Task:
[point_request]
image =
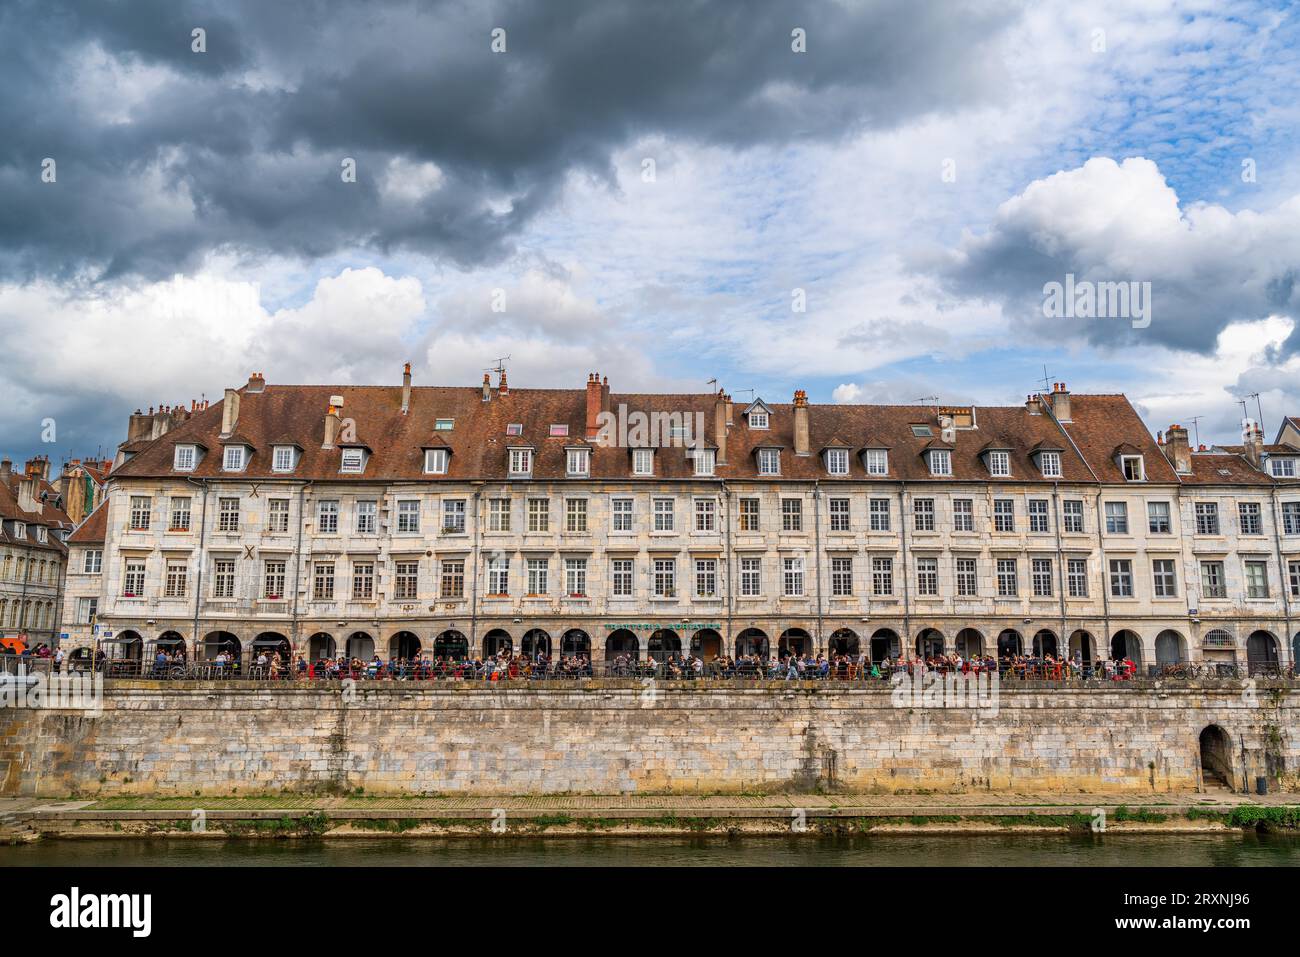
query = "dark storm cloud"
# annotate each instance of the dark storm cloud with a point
(238, 149)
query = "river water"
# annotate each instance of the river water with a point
(884, 850)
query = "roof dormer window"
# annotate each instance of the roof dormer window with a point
(643, 461)
(235, 458)
(769, 461)
(1281, 466)
(758, 414)
(521, 461)
(577, 462)
(435, 461)
(940, 462)
(353, 461)
(40, 534)
(284, 458)
(999, 463)
(20, 529)
(876, 461)
(704, 461)
(1132, 467)
(1049, 463)
(837, 461)
(185, 458)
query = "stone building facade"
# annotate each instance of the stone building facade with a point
(33, 527)
(452, 521)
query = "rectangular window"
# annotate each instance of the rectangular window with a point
(521, 461)
(141, 506)
(879, 513)
(1291, 518)
(1251, 521)
(367, 512)
(1049, 464)
(322, 581)
(1132, 465)
(704, 460)
(769, 462)
(621, 577)
(1040, 573)
(180, 514)
(792, 577)
(1121, 578)
(1038, 520)
(327, 516)
(967, 583)
(791, 515)
(840, 519)
(498, 515)
(223, 578)
(999, 463)
(1293, 574)
(842, 577)
(927, 576)
(751, 576)
(963, 515)
(1213, 584)
(1072, 515)
(1117, 518)
(749, 515)
(1256, 580)
(882, 576)
(1158, 519)
(940, 462)
(185, 457)
(1163, 578)
(1076, 577)
(453, 516)
(539, 515)
(539, 572)
(435, 461)
(133, 579)
(177, 579)
(643, 462)
(1008, 585)
(575, 577)
(706, 577)
(1004, 515)
(575, 514)
(94, 561)
(277, 515)
(705, 515)
(234, 459)
(406, 578)
(877, 462)
(282, 458)
(498, 575)
(621, 509)
(363, 581)
(837, 461)
(577, 461)
(452, 581)
(1282, 467)
(757, 420)
(87, 609)
(408, 515)
(227, 514)
(1207, 518)
(354, 461)
(273, 579)
(923, 514)
(663, 514)
(665, 578)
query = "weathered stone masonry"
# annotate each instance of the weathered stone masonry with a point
(611, 737)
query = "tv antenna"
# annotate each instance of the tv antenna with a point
(1194, 420)
(1047, 382)
(1258, 406)
(929, 400)
(500, 365)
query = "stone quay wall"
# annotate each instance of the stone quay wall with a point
(610, 737)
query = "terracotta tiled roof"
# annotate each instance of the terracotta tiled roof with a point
(1101, 423)
(1222, 467)
(92, 528)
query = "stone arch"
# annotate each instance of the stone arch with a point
(534, 643)
(1045, 643)
(664, 643)
(170, 641)
(622, 641)
(360, 645)
(1216, 757)
(794, 641)
(575, 642)
(1261, 652)
(929, 643)
(1086, 645)
(320, 645)
(404, 644)
(706, 644)
(126, 645)
(215, 642)
(271, 642)
(1127, 643)
(885, 643)
(451, 644)
(1171, 649)
(752, 641)
(844, 641)
(1295, 651)
(497, 641)
(1010, 643)
(970, 643)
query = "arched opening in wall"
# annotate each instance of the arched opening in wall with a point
(124, 646)
(929, 643)
(575, 642)
(621, 641)
(970, 643)
(1170, 649)
(1261, 653)
(360, 645)
(1045, 643)
(451, 645)
(497, 642)
(1216, 757)
(320, 645)
(216, 642)
(1295, 651)
(752, 641)
(706, 644)
(172, 642)
(794, 641)
(885, 643)
(1127, 644)
(270, 642)
(1083, 643)
(844, 641)
(664, 643)
(535, 643)
(1010, 643)
(404, 644)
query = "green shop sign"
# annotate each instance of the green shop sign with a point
(679, 626)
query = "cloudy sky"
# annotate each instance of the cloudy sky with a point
(668, 193)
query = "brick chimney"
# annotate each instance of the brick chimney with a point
(1032, 405)
(801, 438)
(332, 422)
(138, 426)
(597, 402)
(27, 495)
(720, 405)
(1177, 451)
(406, 389)
(6, 470)
(256, 383)
(1061, 402)
(487, 387)
(1252, 437)
(38, 466)
(229, 413)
